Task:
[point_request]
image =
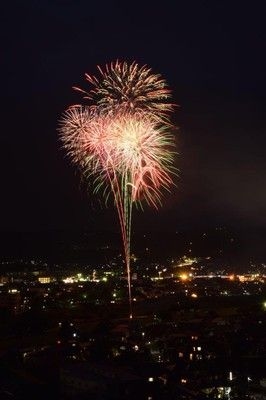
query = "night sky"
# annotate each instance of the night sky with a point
(210, 53)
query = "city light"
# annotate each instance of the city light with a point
(184, 277)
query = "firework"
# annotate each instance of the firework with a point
(131, 87)
(124, 148)
(144, 152)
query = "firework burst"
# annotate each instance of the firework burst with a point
(131, 87)
(112, 146)
(144, 152)
(122, 141)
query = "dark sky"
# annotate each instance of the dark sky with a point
(210, 53)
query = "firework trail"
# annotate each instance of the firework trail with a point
(123, 146)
